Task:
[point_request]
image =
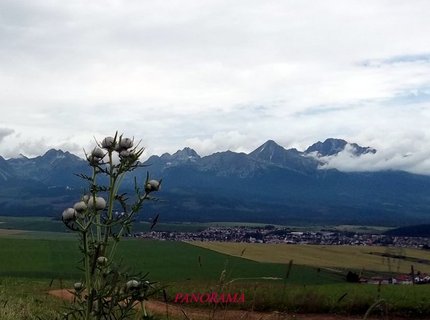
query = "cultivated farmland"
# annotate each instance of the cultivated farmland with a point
(342, 257)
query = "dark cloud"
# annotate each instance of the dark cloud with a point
(4, 132)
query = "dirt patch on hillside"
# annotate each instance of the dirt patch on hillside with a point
(180, 312)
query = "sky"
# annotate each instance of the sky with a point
(218, 75)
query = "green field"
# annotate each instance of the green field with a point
(164, 260)
(343, 257)
(33, 262)
(30, 267)
(47, 224)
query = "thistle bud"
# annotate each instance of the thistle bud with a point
(125, 143)
(69, 214)
(86, 197)
(93, 160)
(80, 206)
(152, 185)
(78, 286)
(108, 143)
(100, 203)
(97, 153)
(102, 261)
(124, 154)
(132, 284)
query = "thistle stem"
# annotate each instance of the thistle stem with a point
(94, 201)
(112, 193)
(88, 281)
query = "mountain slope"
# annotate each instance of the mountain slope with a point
(271, 184)
(6, 172)
(54, 168)
(333, 146)
(272, 153)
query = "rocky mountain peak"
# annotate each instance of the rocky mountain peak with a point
(186, 154)
(268, 151)
(333, 146)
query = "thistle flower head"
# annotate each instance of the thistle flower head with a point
(108, 143)
(124, 154)
(152, 185)
(98, 204)
(93, 160)
(125, 143)
(85, 198)
(97, 153)
(69, 214)
(78, 286)
(132, 284)
(102, 261)
(80, 206)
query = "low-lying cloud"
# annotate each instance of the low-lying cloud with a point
(414, 161)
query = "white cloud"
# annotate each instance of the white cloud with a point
(232, 140)
(415, 161)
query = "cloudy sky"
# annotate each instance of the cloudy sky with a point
(218, 75)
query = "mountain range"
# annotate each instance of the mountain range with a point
(270, 184)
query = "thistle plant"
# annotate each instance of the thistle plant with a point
(101, 218)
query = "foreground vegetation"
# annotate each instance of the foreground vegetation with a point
(28, 299)
(339, 298)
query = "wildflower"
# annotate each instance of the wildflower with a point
(125, 143)
(102, 261)
(86, 197)
(94, 161)
(78, 286)
(80, 206)
(152, 185)
(125, 154)
(99, 204)
(132, 284)
(108, 143)
(97, 153)
(69, 214)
